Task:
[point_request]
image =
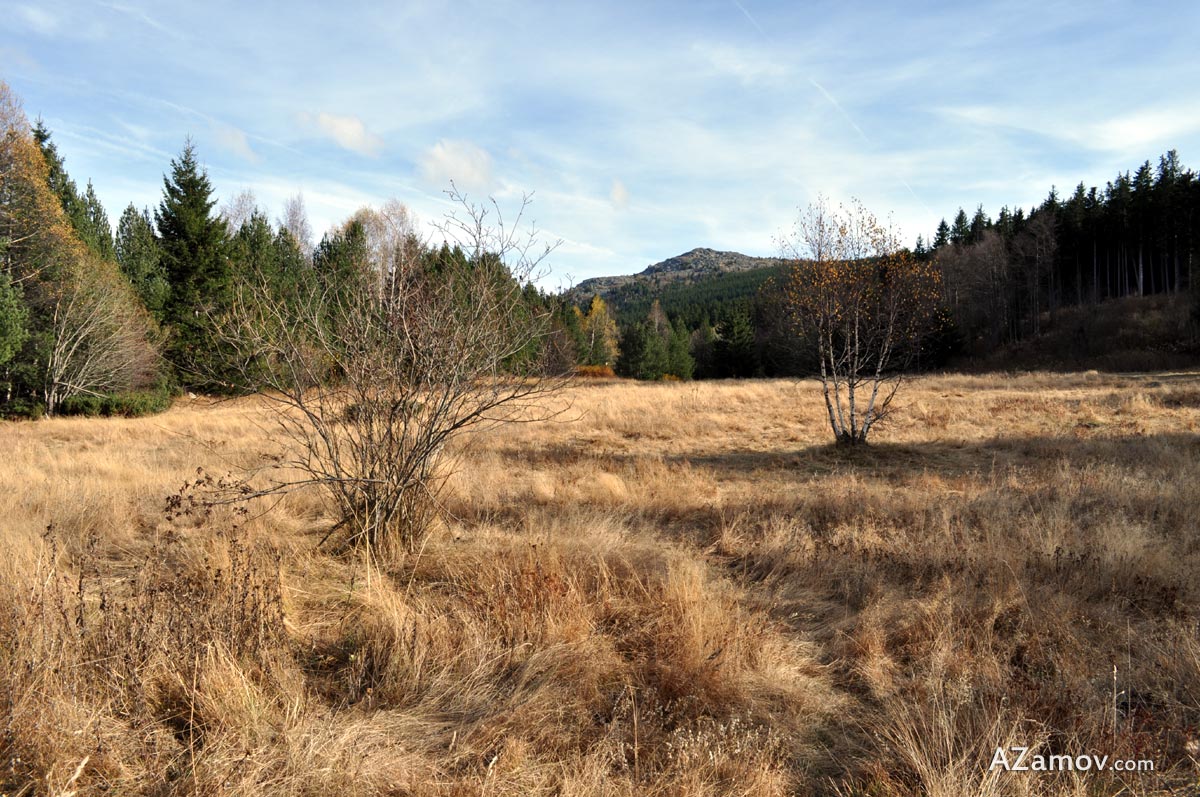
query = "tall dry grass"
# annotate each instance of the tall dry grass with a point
(672, 589)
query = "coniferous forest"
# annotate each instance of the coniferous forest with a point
(101, 321)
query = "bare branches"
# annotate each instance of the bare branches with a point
(864, 303)
(373, 374)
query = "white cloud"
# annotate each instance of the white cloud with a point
(460, 162)
(39, 19)
(348, 132)
(1126, 133)
(235, 141)
(1142, 129)
(619, 195)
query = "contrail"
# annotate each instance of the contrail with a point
(839, 107)
(833, 101)
(753, 21)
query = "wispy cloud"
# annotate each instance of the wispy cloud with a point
(235, 141)
(39, 20)
(712, 121)
(141, 16)
(460, 162)
(348, 132)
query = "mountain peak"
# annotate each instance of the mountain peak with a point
(692, 266)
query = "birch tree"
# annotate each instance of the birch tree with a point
(863, 303)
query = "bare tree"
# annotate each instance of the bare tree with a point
(98, 341)
(238, 210)
(295, 221)
(864, 303)
(370, 380)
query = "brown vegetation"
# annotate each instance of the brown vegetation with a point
(672, 589)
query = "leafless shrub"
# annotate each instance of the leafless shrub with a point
(371, 376)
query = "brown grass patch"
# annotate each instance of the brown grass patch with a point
(681, 590)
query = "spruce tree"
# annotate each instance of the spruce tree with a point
(960, 233)
(138, 255)
(679, 357)
(84, 211)
(704, 350)
(194, 244)
(97, 232)
(942, 237)
(13, 317)
(735, 351)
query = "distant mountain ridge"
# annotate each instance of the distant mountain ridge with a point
(700, 283)
(689, 267)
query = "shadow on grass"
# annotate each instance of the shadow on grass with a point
(1147, 453)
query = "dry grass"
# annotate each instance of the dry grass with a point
(674, 589)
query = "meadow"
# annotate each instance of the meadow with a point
(669, 589)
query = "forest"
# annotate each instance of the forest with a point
(97, 321)
(1003, 278)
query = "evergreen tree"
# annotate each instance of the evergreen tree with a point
(97, 232)
(194, 243)
(341, 259)
(138, 254)
(84, 211)
(736, 354)
(57, 178)
(942, 237)
(920, 251)
(252, 250)
(960, 233)
(980, 223)
(679, 358)
(13, 317)
(704, 350)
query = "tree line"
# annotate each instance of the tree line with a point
(94, 321)
(1001, 278)
(1135, 237)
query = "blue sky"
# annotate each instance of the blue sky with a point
(642, 129)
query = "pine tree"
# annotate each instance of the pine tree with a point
(138, 254)
(194, 243)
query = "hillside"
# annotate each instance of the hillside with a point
(1135, 333)
(702, 278)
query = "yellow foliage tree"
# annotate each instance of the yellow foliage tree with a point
(91, 334)
(864, 303)
(599, 334)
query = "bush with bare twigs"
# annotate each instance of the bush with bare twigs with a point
(373, 371)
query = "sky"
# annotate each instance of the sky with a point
(642, 130)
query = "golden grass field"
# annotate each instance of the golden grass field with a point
(671, 589)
